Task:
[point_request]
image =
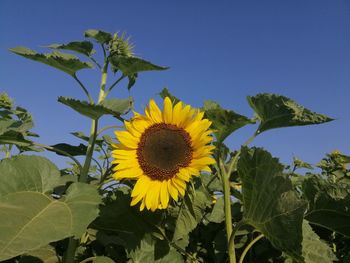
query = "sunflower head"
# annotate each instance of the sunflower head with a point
(162, 150)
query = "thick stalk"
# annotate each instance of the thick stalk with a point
(94, 127)
(69, 254)
(228, 216)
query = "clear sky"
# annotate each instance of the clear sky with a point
(219, 50)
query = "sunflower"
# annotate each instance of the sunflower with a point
(162, 150)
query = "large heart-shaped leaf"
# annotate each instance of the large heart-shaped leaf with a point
(30, 218)
(224, 122)
(275, 111)
(328, 204)
(65, 62)
(113, 107)
(270, 204)
(82, 47)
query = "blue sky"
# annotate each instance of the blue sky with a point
(219, 50)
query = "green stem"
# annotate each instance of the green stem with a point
(116, 82)
(69, 254)
(231, 243)
(8, 152)
(84, 89)
(246, 249)
(227, 208)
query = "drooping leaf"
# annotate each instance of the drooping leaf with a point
(70, 149)
(314, 249)
(131, 65)
(166, 93)
(87, 109)
(150, 251)
(65, 62)
(270, 204)
(224, 122)
(30, 219)
(191, 212)
(100, 36)
(276, 111)
(328, 204)
(82, 47)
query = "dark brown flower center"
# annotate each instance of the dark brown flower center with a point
(163, 149)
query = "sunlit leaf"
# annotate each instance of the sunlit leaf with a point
(30, 219)
(65, 62)
(314, 249)
(329, 204)
(95, 111)
(275, 111)
(270, 204)
(82, 47)
(224, 122)
(191, 212)
(100, 36)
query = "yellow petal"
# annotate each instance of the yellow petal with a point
(154, 113)
(132, 173)
(179, 185)
(172, 190)
(127, 139)
(183, 175)
(168, 110)
(152, 196)
(141, 187)
(164, 194)
(177, 113)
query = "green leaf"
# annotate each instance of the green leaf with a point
(150, 251)
(217, 214)
(65, 62)
(100, 36)
(45, 254)
(71, 149)
(30, 219)
(191, 212)
(270, 204)
(328, 204)
(92, 111)
(27, 173)
(119, 106)
(314, 249)
(16, 138)
(131, 65)
(275, 111)
(166, 93)
(118, 216)
(301, 164)
(82, 47)
(224, 122)
(102, 260)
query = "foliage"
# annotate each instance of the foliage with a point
(250, 207)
